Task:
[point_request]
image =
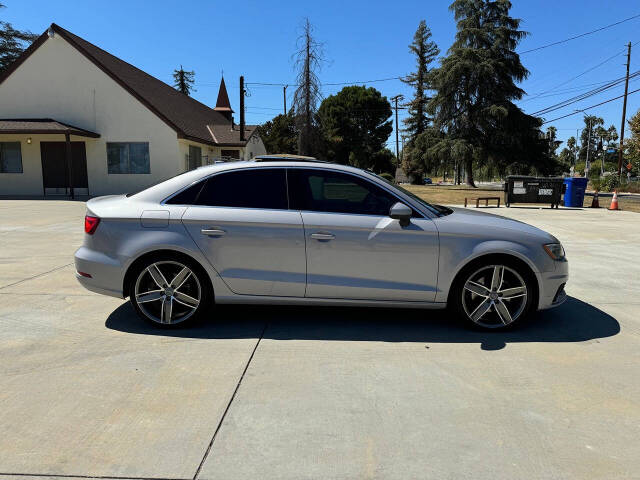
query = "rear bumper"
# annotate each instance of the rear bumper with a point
(107, 273)
(552, 285)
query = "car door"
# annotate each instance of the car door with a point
(354, 249)
(241, 222)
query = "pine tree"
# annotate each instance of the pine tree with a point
(308, 61)
(12, 42)
(476, 86)
(184, 80)
(425, 52)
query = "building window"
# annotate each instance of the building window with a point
(230, 154)
(195, 157)
(131, 157)
(10, 157)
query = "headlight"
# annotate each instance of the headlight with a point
(555, 251)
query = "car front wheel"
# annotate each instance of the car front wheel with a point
(168, 291)
(494, 295)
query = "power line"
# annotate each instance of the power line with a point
(568, 90)
(366, 81)
(579, 75)
(272, 84)
(579, 36)
(583, 96)
(589, 107)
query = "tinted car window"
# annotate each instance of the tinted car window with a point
(325, 191)
(254, 188)
(187, 196)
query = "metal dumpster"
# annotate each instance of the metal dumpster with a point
(574, 191)
(522, 189)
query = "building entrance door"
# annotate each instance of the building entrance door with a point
(55, 170)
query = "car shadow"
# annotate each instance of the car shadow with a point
(574, 321)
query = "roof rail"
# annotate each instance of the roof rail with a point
(286, 157)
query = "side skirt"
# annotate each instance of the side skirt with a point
(267, 300)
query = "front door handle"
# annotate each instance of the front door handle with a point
(323, 236)
(213, 232)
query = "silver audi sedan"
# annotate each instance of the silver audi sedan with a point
(311, 233)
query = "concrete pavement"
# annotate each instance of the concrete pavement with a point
(87, 389)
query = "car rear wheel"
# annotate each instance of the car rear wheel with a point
(494, 296)
(169, 292)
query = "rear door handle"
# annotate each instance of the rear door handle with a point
(323, 236)
(213, 232)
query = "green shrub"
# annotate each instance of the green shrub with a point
(596, 184)
(387, 176)
(594, 172)
(610, 182)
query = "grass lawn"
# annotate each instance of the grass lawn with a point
(455, 195)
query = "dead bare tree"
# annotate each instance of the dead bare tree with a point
(308, 61)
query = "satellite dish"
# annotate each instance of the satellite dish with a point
(51, 33)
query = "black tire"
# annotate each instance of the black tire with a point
(186, 299)
(468, 304)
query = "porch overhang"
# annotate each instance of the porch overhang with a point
(34, 126)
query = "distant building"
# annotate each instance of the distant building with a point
(123, 129)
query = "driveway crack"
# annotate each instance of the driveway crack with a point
(233, 396)
(36, 276)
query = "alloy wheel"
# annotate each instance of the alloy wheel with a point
(168, 292)
(494, 296)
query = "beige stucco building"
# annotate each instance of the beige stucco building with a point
(72, 114)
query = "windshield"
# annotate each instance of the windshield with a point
(437, 209)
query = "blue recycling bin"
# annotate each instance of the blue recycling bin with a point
(574, 193)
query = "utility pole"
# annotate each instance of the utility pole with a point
(575, 157)
(586, 164)
(242, 93)
(284, 93)
(395, 99)
(624, 112)
(601, 149)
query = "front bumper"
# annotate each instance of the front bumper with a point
(107, 273)
(552, 285)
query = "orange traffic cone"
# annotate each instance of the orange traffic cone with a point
(614, 201)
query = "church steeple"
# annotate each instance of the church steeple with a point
(222, 104)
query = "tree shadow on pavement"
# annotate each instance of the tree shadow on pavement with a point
(574, 321)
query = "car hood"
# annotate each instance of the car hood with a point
(474, 220)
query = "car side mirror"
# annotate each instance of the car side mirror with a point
(402, 212)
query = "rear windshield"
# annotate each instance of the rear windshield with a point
(135, 192)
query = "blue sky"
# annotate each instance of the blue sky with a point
(363, 40)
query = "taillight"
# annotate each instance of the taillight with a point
(90, 224)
